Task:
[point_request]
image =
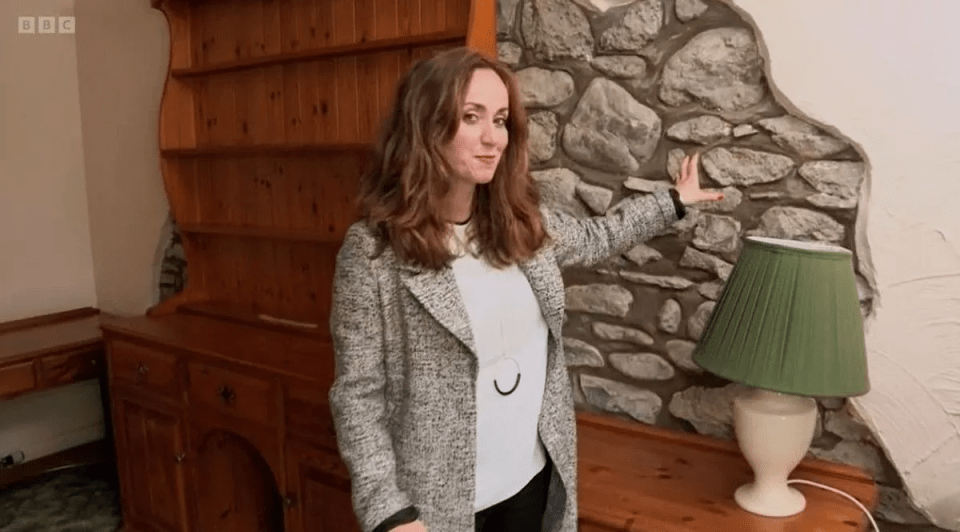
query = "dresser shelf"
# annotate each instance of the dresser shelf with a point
(441, 38)
(255, 150)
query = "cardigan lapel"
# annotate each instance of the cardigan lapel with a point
(547, 284)
(438, 292)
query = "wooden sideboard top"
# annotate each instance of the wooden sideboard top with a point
(264, 348)
(636, 477)
(30, 338)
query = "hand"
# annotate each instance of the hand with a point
(688, 182)
(415, 526)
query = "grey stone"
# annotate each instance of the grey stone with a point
(602, 6)
(711, 290)
(895, 506)
(767, 195)
(688, 10)
(719, 69)
(608, 299)
(732, 197)
(638, 27)
(717, 233)
(620, 66)
(558, 190)
(645, 185)
(701, 130)
(642, 366)
(580, 353)
(663, 281)
(744, 130)
(506, 16)
(694, 258)
(847, 424)
(806, 139)
(543, 136)
(796, 223)
(674, 163)
(617, 397)
(833, 403)
(556, 29)
(745, 167)
(698, 321)
(709, 410)
(578, 397)
(862, 455)
(540, 87)
(681, 353)
(610, 130)
(829, 201)
(687, 224)
(670, 316)
(838, 182)
(617, 333)
(596, 197)
(642, 254)
(510, 53)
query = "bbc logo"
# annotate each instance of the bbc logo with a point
(45, 25)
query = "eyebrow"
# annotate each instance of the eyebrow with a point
(502, 110)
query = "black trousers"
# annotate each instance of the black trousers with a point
(521, 513)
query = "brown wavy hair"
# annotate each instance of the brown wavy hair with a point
(402, 191)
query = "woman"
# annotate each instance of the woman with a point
(452, 404)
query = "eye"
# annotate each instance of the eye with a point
(501, 121)
(471, 118)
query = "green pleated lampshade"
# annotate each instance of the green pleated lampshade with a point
(789, 320)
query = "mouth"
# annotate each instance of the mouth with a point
(489, 159)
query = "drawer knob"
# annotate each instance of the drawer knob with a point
(289, 501)
(226, 394)
(179, 457)
(142, 370)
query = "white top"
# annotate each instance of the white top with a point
(507, 326)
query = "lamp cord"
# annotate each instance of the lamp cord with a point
(839, 492)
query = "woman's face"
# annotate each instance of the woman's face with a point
(475, 151)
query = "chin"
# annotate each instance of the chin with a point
(483, 179)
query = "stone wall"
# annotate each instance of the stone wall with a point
(617, 92)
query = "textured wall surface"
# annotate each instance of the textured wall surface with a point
(618, 92)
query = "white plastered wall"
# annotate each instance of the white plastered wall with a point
(884, 74)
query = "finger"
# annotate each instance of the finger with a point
(684, 170)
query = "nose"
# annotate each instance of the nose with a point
(487, 135)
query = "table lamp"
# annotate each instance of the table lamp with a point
(787, 325)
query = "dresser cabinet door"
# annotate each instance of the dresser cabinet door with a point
(151, 451)
(318, 498)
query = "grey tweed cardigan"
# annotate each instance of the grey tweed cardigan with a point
(403, 401)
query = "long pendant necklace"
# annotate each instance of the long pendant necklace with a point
(504, 358)
(461, 246)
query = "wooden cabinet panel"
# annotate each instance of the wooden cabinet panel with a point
(318, 492)
(151, 452)
(16, 378)
(307, 412)
(144, 367)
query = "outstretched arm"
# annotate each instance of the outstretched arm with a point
(588, 241)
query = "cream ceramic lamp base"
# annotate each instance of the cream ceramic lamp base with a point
(774, 431)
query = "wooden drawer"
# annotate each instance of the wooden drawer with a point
(146, 367)
(308, 415)
(233, 393)
(17, 378)
(73, 366)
